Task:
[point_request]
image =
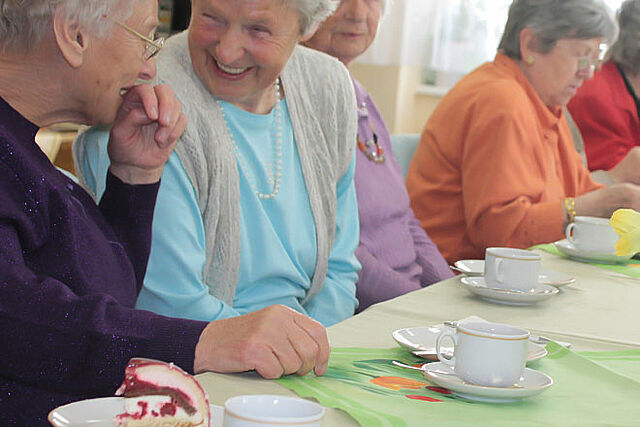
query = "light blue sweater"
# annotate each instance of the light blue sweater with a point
(278, 236)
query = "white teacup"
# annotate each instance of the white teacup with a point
(510, 268)
(592, 234)
(260, 410)
(487, 354)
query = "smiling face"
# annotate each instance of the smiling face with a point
(115, 63)
(349, 31)
(239, 47)
(556, 75)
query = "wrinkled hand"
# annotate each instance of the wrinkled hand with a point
(628, 170)
(149, 122)
(603, 202)
(274, 341)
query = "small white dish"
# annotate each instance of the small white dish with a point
(470, 267)
(262, 410)
(478, 286)
(531, 383)
(102, 411)
(422, 341)
(573, 252)
(475, 268)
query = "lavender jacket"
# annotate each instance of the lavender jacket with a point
(396, 254)
(70, 272)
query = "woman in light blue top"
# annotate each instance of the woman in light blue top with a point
(257, 206)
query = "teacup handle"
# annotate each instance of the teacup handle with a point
(497, 269)
(569, 232)
(441, 357)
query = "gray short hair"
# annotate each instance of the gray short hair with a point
(312, 12)
(552, 20)
(24, 23)
(626, 50)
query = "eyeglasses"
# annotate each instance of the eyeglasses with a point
(151, 47)
(589, 63)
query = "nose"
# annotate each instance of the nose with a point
(229, 47)
(148, 70)
(356, 10)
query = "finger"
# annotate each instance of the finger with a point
(268, 365)
(305, 347)
(134, 119)
(168, 106)
(319, 334)
(178, 129)
(145, 95)
(287, 355)
(167, 135)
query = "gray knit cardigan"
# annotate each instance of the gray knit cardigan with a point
(322, 104)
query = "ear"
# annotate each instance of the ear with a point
(71, 38)
(310, 33)
(528, 44)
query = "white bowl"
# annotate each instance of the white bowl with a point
(269, 410)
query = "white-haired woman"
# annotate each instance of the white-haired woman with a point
(70, 270)
(496, 164)
(606, 108)
(396, 254)
(258, 205)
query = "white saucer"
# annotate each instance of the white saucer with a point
(478, 286)
(475, 268)
(470, 267)
(422, 341)
(573, 252)
(101, 412)
(531, 383)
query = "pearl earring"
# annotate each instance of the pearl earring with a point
(530, 60)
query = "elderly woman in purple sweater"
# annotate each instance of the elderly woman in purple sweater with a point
(396, 254)
(70, 270)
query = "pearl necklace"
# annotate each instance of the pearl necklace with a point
(272, 176)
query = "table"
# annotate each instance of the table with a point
(597, 313)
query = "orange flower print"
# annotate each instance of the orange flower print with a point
(398, 383)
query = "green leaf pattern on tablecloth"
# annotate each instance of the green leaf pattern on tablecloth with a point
(589, 389)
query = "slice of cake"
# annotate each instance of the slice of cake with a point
(161, 394)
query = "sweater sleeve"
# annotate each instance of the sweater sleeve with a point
(53, 338)
(606, 127)
(378, 276)
(434, 267)
(129, 211)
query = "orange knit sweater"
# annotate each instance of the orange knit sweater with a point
(493, 165)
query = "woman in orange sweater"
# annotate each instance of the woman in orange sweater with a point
(496, 164)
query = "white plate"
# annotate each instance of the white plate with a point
(478, 286)
(470, 267)
(573, 252)
(102, 411)
(531, 383)
(475, 268)
(423, 339)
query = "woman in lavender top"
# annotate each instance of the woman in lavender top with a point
(396, 254)
(70, 270)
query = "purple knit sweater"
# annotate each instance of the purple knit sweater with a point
(70, 272)
(396, 254)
